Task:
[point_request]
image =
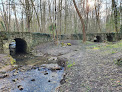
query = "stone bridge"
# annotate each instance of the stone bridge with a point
(99, 37)
(25, 41)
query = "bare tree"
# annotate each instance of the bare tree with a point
(66, 14)
(16, 20)
(82, 21)
(87, 13)
(97, 11)
(114, 8)
(36, 14)
(60, 8)
(56, 42)
(120, 13)
(9, 24)
(5, 17)
(28, 12)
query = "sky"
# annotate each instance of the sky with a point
(91, 3)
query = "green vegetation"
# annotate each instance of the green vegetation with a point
(113, 52)
(106, 45)
(121, 29)
(69, 65)
(119, 44)
(52, 27)
(86, 86)
(109, 48)
(63, 44)
(95, 48)
(2, 25)
(12, 61)
(118, 62)
(69, 44)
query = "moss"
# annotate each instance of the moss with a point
(118, 62)
(95, 48)
(12, 61)
(63, 44)
(68, 44)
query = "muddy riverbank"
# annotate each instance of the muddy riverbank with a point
(40, 73)
(89, 67)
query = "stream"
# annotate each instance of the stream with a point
(32, 74)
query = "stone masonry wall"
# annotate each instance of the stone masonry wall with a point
(33, 39)
(6, 39)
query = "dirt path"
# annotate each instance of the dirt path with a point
(90, 68)
(94, 70)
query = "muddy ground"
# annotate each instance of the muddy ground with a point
(89, 67)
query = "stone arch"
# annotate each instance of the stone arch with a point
(21, 46)
(98, 39)
(109, 38)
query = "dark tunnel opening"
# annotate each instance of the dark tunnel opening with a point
(98, 39)
(21, 46)
(109, 38)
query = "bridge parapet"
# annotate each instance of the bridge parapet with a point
(39, 38)
(101, 36)
(33, 39)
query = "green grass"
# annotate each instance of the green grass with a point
(113, 52)
(69, 65)
(116, 45)
(106, 45)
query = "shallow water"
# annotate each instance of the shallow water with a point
(32, 79)
(41, 83)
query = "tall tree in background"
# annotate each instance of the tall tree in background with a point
(39, 15)
(32, 2)
(15, 14)
(82, 21)
(65, 18)
(121, 13)
(44, 16)
(9, 26)
(87, 13)
(114, 8)
(56, 24)
(5, 17)
(97, 11)
(60, 10)
(120, 16)
(28, 14)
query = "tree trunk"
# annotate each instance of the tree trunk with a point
(87, 13)
(56, 26)
(9, 18)
(28, 18)
(114, 8)
(82, 21)
(65, 28)
(36, 15)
